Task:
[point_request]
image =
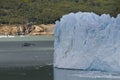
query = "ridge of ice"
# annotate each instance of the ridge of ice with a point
(87, 41)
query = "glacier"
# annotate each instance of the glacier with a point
(85, 40)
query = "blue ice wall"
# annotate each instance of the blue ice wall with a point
(88, 41)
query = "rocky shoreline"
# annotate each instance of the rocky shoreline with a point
(27, 29)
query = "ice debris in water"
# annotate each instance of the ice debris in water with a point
(87, 41)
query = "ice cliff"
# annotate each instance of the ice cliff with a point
(87, 41)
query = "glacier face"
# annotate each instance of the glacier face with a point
(87, 41)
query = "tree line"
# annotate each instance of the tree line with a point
(48, 11)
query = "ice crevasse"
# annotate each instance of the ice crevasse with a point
(85, 40)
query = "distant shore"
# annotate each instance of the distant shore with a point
(27, 29)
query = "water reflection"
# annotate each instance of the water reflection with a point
(27, 73)
(62, 74)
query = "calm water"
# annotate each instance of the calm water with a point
(27, 73)
(31, 58)
(26, 51)
(26, 58)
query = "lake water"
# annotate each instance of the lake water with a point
(31, 58)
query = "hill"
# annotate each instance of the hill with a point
(48, 11)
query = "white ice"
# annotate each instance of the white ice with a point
(87, 41)
(6, 36)
(63, 74)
